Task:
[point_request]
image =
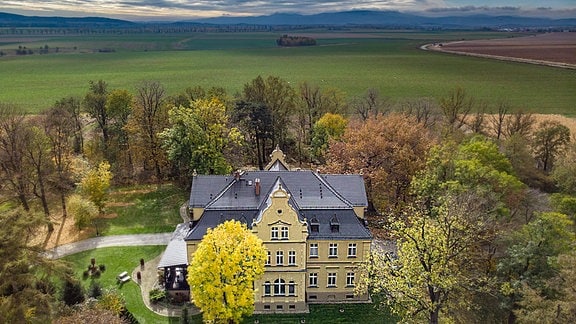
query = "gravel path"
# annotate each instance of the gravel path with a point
(108, 241)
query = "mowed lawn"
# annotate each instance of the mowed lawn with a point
(391, 63)
(120, 259)
(142, 209)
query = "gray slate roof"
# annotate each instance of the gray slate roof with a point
(226, 197)
(176, 252)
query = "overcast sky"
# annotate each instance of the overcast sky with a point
(188, 9)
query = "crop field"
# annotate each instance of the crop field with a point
(350, 61)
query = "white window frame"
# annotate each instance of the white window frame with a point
(350, 278)
(352, 249)
(332, 277)
(268, 258)
(313, 250)
(274, 233)
(292, 258)
(284, 233)
(279, 258)
(333, 250)
(313, 279)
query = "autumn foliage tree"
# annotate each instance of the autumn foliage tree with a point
(228, 260)
(95, 184)
(388, 150)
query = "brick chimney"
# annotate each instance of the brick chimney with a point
(257, 186)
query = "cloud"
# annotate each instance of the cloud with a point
(178, 9)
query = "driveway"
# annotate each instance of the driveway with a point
(108, 241)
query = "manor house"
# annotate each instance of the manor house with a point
(312, 226)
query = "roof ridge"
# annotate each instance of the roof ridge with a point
(333, 190)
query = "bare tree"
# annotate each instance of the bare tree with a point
(519, 123)
(424, 110)
(370, 105)
(95, 104)
(456, 107)
(498, 120)
(13, 138)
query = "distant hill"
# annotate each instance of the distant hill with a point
(12, 20)
(392, 19)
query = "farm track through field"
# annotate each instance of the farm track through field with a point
(438, 48)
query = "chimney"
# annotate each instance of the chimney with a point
(257, 186)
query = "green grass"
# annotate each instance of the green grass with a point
(387, 61)
(118, 260)
(143, 209)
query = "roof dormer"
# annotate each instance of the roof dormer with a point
(277, 162)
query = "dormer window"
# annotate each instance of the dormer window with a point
(334, 224)
(314, 224)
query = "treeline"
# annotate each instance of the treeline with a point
(481, 197)
(286, 40)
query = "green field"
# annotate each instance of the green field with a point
(352, 62)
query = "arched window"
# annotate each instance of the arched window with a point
(291, 288)
(279, 287)
(267, 288)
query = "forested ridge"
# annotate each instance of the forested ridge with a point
(479, 199)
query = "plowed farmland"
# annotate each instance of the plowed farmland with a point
(550, 47)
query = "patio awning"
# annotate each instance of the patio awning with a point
(174, 255)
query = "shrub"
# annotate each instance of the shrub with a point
(157, 295)
(72, 293)
(102, 267)
(95, 290)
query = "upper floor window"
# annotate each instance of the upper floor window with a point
(291, 257)
(314, 224)
(274, 233)
(332, 279)
(313, 279)
(350, 279)
(351, 249)
(333, 250)
(334, 224)
(267, 258)
(313, 250)
(279, 257)
(284, 232)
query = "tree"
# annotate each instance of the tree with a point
(369, 105)
(564, 170)
(119, 106)
(26, 294)
(222, 272)
(199, 137)
(14, 137)
(73, 109)
(328, 127)
(149, 118)
(537, 306)
(278, 96)
(83, 210)
(94, 185)
(38, 156)
(95, 105)
(388, 151)
(531, 257)
(60, 127)
(497, 120)
(549, 141)
(456, 107)
(255, 122)
(433, 274)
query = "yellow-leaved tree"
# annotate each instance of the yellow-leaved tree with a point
(94, 185)
(222, 272)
